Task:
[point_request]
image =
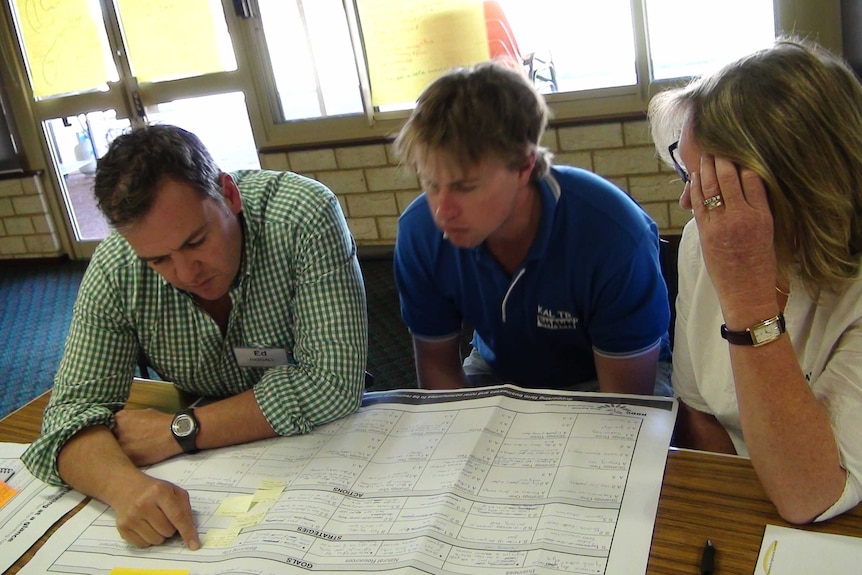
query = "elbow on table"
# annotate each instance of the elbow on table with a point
(797, 515)
(803, 508)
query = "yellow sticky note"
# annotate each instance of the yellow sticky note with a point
(135, 571)
(266, 495)
(233, 506)
(220, 537)
(6, 493)
(271, 483)
(248, 519)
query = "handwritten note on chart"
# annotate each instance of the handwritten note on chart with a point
(410, 44)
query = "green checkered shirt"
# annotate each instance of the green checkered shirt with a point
(299, 288)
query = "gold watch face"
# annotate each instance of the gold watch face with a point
(182, 425)
(766, 332)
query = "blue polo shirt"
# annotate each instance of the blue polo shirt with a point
(590, 282)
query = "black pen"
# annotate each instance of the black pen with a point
(707, 559)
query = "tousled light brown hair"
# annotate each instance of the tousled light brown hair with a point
(791, 113)
(487, 110)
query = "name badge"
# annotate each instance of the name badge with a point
(260, 356)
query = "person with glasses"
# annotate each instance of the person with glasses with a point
(555, 269)
(768, 336)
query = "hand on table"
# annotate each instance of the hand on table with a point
(150, 510)
(737, 236)
(145, 435)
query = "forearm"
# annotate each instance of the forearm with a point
(145, 434)
(429, 377)
(93, 463)
(787, 431)
(232, 421)
(438, 364)
(148, 510)
(627, 375)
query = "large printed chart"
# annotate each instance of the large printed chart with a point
(29, 507)
(493, 481)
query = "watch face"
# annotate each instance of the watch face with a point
(766, 332)
(182, 425)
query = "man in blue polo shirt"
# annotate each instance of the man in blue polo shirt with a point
(555, 268)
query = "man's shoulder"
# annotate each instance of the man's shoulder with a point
(417, 224)
(417, 211)
(113, 253)
(281, 195)
(115, 271)
(591, 205)
(582, 189)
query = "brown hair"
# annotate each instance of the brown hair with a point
(792, 113)
(137, 163)
(471, 113)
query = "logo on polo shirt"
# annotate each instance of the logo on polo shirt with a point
(550, 319)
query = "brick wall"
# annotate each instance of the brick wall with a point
(374, 190)
(27, 229)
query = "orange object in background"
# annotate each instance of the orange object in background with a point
(502, 45)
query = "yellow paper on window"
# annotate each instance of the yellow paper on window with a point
(167, 39)
(411, 44)
(65, 45)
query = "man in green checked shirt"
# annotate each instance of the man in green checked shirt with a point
(241, 287)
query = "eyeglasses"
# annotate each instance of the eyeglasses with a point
(683, 175)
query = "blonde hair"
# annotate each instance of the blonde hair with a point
(471, 113)
(791, 113)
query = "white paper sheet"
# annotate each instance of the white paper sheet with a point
(487, 481)
(33, 510)
(787, 551)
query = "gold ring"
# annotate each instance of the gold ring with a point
(712, 203)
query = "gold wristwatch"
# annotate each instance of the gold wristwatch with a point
(759, 334)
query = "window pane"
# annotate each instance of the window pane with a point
(590, 44)
(65, 46)
(680, 48)
(168, 40)
(76, 142)
(220, 121)
(312, 58)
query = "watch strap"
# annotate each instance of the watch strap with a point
(187, 442)
(759, 334)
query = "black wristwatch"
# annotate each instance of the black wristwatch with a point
(184, 428)
(763, 332)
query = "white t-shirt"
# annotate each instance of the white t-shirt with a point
(827, 339)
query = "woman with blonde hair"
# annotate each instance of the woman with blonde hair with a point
(768, 340)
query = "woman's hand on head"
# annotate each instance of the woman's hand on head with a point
(736, 236)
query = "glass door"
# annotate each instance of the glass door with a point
(100, 67)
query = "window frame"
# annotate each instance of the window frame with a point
(817, 19)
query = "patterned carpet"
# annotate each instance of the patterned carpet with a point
(36, 308)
